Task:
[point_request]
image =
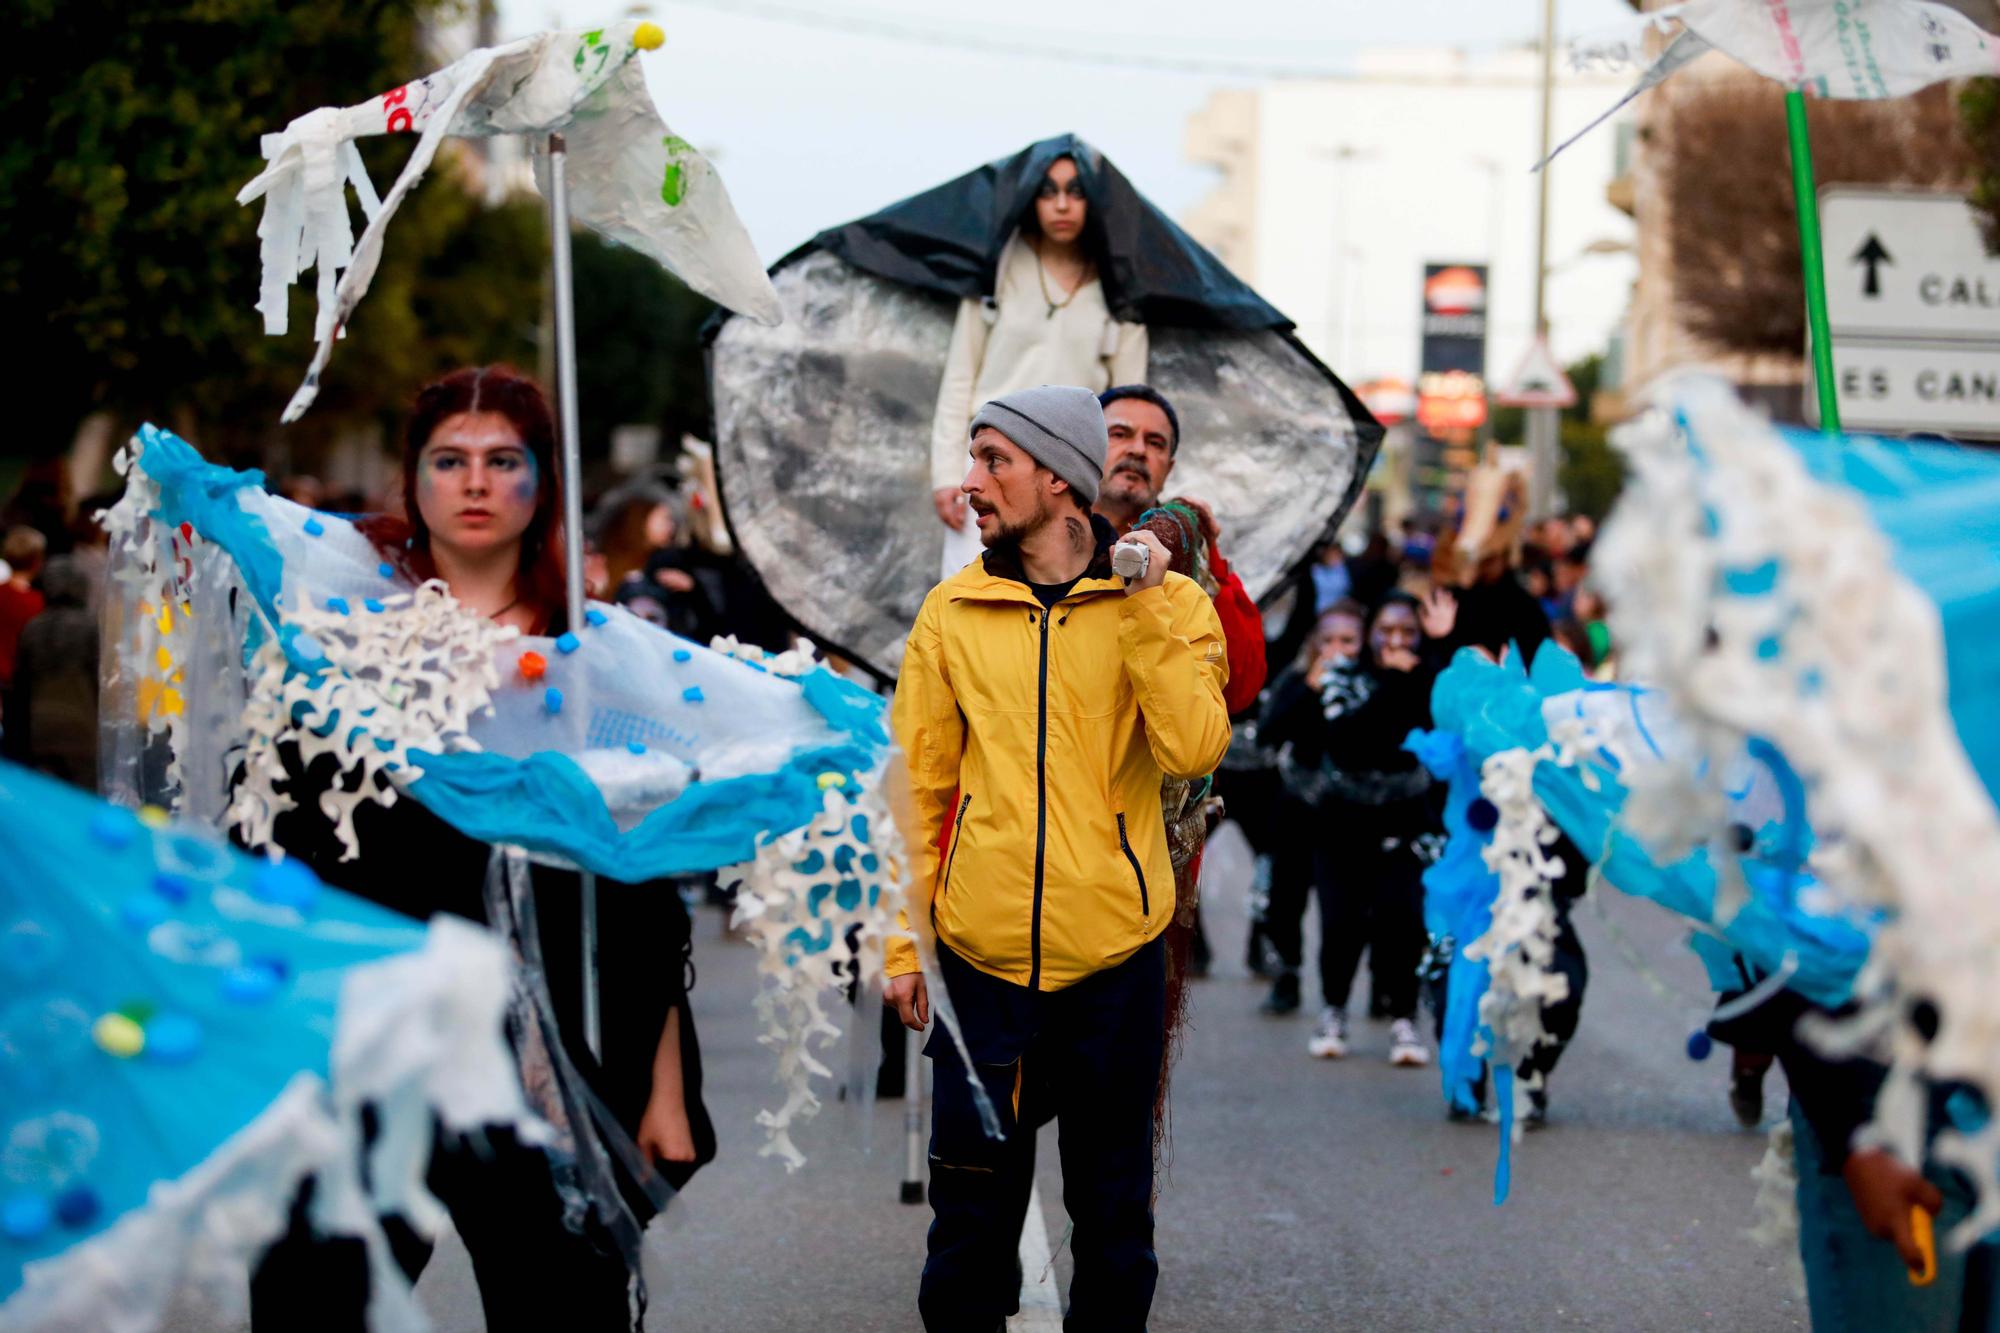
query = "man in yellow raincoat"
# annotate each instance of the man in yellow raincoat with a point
(1042, 700)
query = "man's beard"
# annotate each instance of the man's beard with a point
(1128, 488)
(1004, 535)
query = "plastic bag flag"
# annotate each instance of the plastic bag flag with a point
(187, 1033)
(1849, 49)
(630, 177)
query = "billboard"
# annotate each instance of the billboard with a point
(1451, 375)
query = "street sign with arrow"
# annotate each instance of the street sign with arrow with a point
(1873, 256)
(1902, 263)
(1913, 306)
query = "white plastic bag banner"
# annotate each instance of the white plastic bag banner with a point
(630, 177)
(1850, 49)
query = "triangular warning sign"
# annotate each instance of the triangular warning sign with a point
(1538, 381)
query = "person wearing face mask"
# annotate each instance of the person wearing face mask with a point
(1338, 636)
(1374, 809)
(1047, 322)
(481, 495)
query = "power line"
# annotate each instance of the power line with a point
(857, 25)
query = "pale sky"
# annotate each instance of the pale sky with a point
(812, 126)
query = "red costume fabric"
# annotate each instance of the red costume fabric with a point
(1242, 634)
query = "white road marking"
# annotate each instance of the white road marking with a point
(1041, 1305)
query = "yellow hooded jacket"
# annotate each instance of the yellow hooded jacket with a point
(1052, 731)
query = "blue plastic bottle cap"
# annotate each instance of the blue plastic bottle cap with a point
(567, 643)
(595, 616)
(683, 655)
(24, 1217)
(314, 527)
(142, 912)
(250, 984)
(173, 1039)
(552, 699)
(285, 883)
(635, 747)
(78, 1206)
(386, 570)
(113, 828)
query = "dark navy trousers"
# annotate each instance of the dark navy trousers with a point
(1087, 1057)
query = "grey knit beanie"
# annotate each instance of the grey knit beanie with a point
(1062, 428)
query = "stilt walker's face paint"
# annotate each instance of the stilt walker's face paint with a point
(476, 483)
(1060, 203)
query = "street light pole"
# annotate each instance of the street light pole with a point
(1338, 289)
(1542, 429)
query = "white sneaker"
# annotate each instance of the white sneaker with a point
(1405, 1046)
(1329, 1038)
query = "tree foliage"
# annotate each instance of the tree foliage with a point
(130, 272)
(1732, 223)
(638, 332)
(1979, 108)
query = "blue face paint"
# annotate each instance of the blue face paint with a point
(530, 483)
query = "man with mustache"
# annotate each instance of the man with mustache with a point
(1143, 435)
(1042, 701)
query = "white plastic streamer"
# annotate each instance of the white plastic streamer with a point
(1519, 945)
(1838, 660)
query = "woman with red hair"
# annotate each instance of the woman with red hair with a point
(482, 499)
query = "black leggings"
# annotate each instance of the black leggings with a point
(1370, 898)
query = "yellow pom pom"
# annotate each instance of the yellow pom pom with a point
(829, 780)
(118, 1035)
(152, 816)
(648, 37)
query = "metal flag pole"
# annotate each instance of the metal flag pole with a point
(572, 484)
(1544, 433)
(1812, 259)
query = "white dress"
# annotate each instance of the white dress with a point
(1014, 341)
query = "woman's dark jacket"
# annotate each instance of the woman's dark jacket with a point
(414, 863)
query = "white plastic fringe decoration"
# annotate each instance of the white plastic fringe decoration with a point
(410, 675)
(1519, 945)
(818, 903)
(1838, 661)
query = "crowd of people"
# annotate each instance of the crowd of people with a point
(1337, 810)
(1083, 695)
(1316, 774)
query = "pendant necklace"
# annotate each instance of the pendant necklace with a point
(1042, 276)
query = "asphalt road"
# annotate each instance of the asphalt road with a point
(1302, 1194)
